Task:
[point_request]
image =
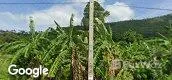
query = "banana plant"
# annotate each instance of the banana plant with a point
(66, 54)
(106, 50)
(26, 52)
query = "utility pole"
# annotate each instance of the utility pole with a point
(91, 42)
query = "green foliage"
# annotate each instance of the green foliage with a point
(64, 51)
(147, 27)
(124, 75)
(4, 61)
(99, 12)
(131, 36)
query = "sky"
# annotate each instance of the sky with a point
(16, 16)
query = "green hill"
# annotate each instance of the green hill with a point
(148, 27)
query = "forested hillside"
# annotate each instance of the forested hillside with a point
(11, 36)
(148, 27)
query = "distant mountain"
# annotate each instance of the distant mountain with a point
(148, 27)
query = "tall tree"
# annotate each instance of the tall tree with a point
(99, 12)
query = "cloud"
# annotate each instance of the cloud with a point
(60, 13)
(119, 12)
(43, 18)
(11, 21)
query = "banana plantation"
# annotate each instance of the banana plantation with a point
(64, 51)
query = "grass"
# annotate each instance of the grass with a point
(169, 77)
(4, 63)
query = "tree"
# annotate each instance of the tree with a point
(99, 12)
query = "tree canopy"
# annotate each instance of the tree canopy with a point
(99, 12)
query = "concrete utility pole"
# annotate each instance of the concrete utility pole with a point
(91, 42)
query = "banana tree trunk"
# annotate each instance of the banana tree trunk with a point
(114, 68)
(77, 70)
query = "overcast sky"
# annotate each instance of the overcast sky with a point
(15, 16)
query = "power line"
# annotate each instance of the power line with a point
(16, 3)
(49, 3)
(152, 8)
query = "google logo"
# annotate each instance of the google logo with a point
(36, 72)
